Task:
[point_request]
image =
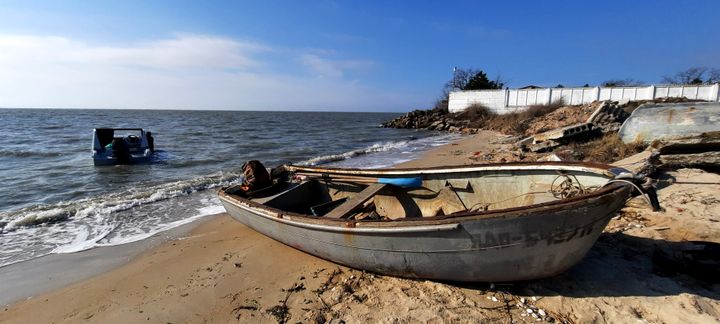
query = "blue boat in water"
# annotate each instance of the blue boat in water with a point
(113, 146)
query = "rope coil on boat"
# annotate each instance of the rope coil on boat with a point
(570, 187)
(485, 206)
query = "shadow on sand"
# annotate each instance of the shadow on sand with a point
(623, 265)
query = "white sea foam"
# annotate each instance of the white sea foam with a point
(393, 153)
(84, 241)
(164, 227)
(375, 148)
(135, 214)
(109, 219)
(110, 203)
(211, 210)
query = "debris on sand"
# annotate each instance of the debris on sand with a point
(280, 312)
(249, 305)
(692, 151)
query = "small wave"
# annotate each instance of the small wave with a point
(47, 216)
(83, 242)
(190, 163)
(72, 140)
(109, 203)
(57, 126)
(20, 154)
(355, 153)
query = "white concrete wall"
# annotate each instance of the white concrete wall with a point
(493, 99)
(510, 100)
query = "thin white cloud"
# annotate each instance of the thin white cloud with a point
(183, 51)
(182, 72)
(326, 67)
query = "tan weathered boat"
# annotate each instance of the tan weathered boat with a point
(492, 223)
(666, 121)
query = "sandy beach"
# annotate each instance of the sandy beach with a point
(222, 271)
(337, 162)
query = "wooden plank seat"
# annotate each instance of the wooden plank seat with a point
(356, 201)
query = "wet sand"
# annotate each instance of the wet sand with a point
(29, 278)
(222, 271)
(458, 152)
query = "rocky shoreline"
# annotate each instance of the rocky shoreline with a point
(585, 132)
(470, 121)
(431, 119)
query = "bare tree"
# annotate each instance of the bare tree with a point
(460, 78)
(621, 83)
(713, 76)
(694, 75)
(467, 79)
(471, 79)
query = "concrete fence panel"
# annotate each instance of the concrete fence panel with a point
(493, 99)
(511, 100)
(527, 97)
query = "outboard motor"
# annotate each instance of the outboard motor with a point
(121, 151)
(256, 176)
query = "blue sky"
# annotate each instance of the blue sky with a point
(331, 55)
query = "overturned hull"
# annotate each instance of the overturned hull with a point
(651, 122)
(506, 244)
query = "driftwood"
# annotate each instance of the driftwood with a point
(647, 162)
(704, 159)
(693, 151)
(644, 163)
(696, 144)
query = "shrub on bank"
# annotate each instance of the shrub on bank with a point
(607, 149)
(514, 123)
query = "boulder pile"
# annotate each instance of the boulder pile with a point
(433, 119)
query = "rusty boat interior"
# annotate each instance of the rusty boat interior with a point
(374, 195)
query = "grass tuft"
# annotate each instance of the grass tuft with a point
(609, 148)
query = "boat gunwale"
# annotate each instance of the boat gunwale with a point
(547, 165)
(435, 223)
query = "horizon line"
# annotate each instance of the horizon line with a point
(191, 109)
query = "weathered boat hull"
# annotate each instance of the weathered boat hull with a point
(651, 122)
(500, 246)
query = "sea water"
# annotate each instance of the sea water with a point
(54, 200)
